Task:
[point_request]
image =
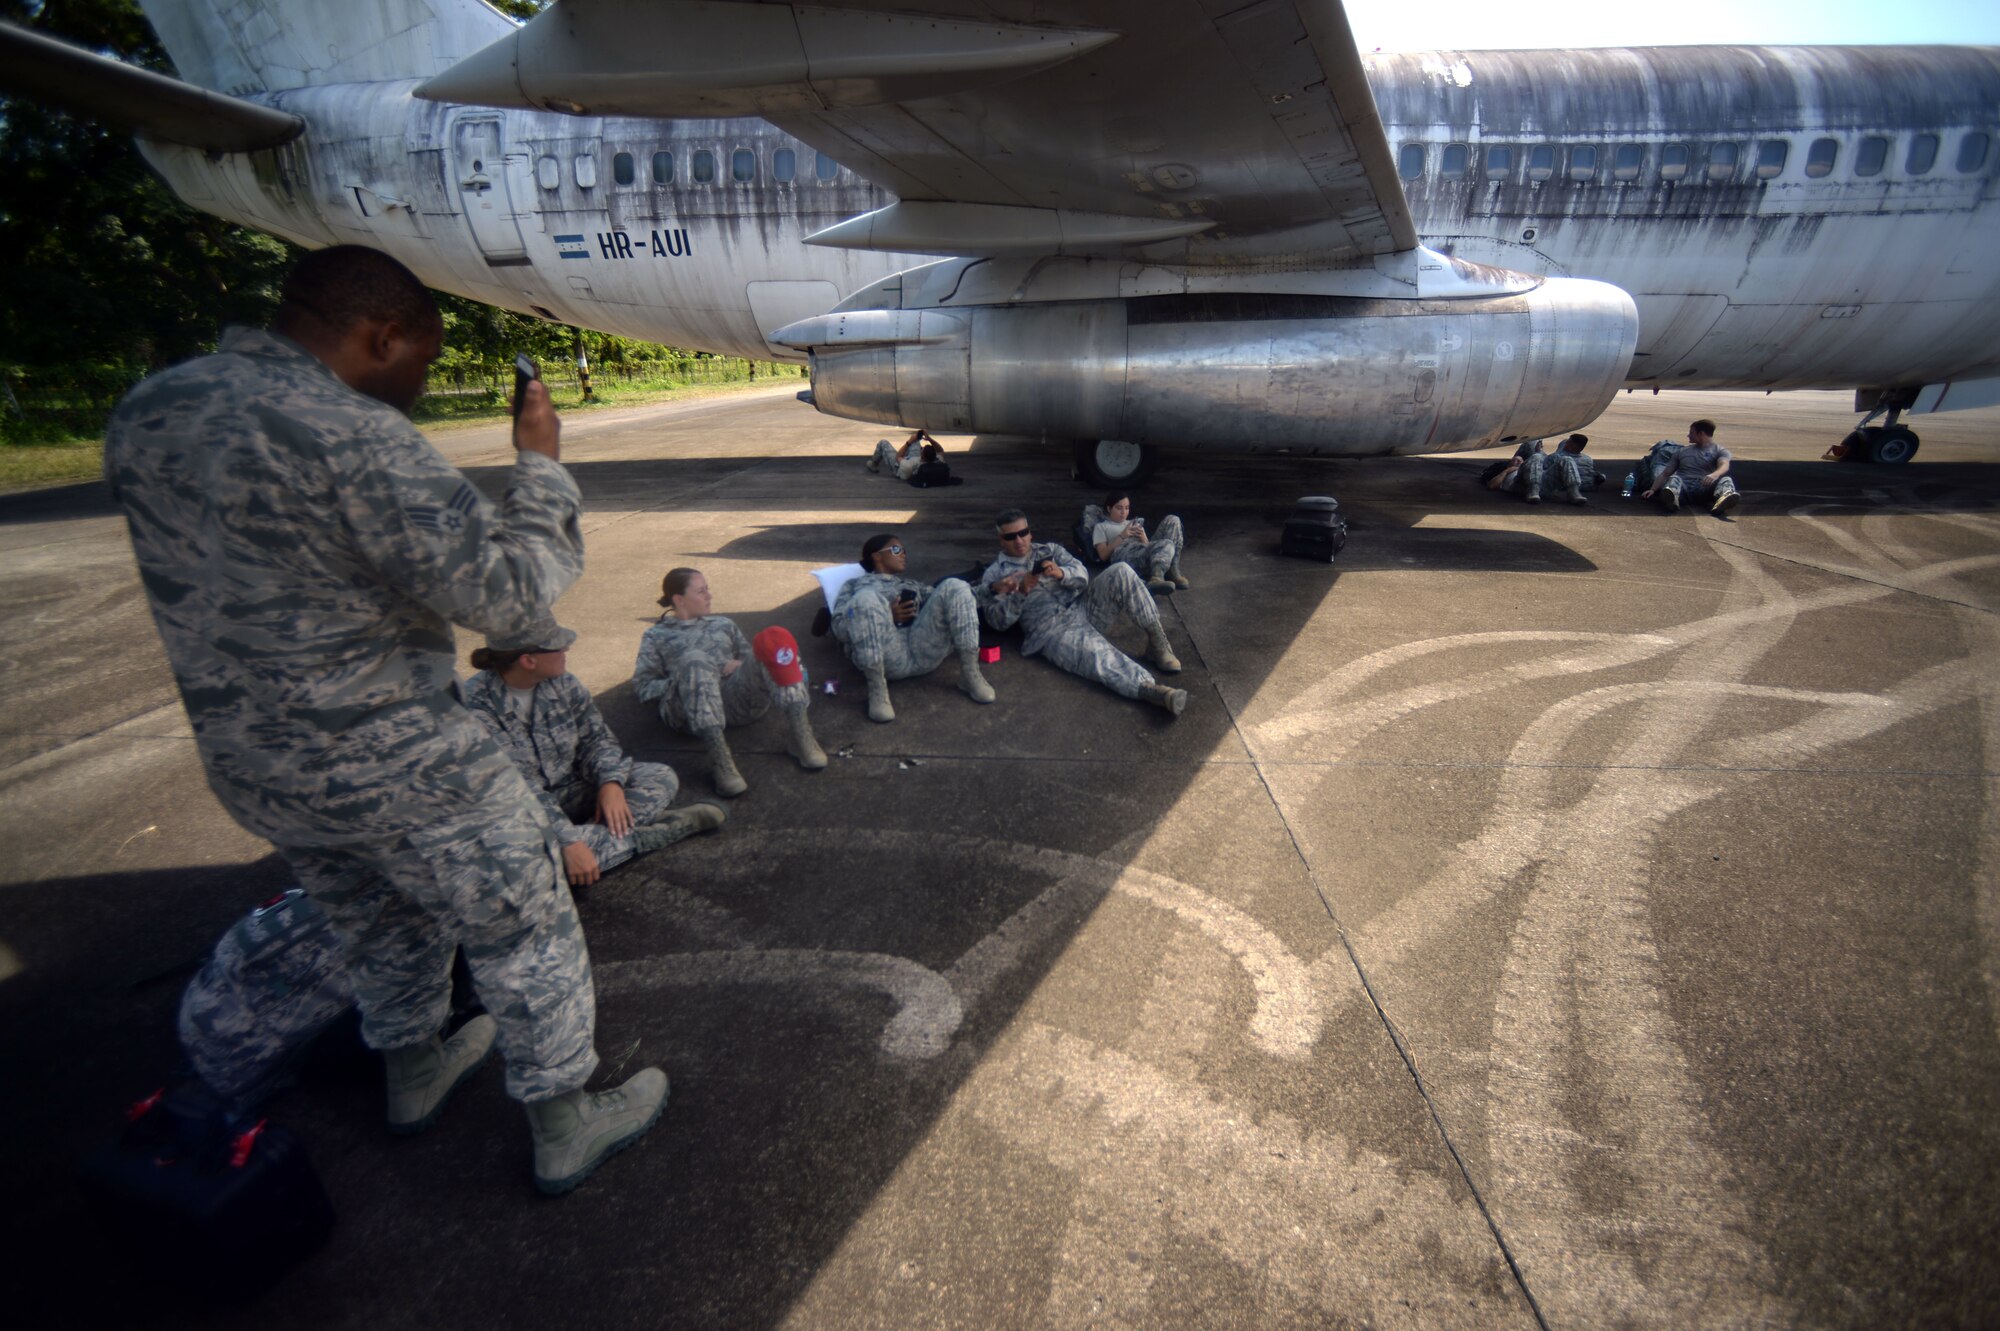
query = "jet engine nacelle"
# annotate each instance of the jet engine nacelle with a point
(1328, 374)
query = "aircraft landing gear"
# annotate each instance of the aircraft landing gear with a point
(1889, 444)
(1107, 463)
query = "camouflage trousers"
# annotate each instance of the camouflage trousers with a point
(699, 700)
(1157, 557)
(1564, 475)
(947, 624)
(648, 792)
(486, 882)
(1691, 490)
(1528, 479)
(1075, 641)
(886, 461)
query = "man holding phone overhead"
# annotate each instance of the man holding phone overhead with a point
(305, 551)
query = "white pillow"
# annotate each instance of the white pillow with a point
(831, 580)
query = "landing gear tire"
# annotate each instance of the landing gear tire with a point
(1888, 445)
(1111, 462)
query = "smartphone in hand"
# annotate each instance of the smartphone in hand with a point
(525, 370)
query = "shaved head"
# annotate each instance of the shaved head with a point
(347, 284)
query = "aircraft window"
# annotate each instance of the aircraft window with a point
(1627, 161)
(704, 167)
(1721, 161)
(1499, 163)
(1674, 161)
(663, 168)
(1583, 163)
(1771, 154)
(784, 165)
(1923, 155)
(1868, 161)
(742, 165)
(826, 168)
(1453, 165)
(548, 173)
(1972, 152)
(621, 168)
(1410, 161)
(1541, 162)
(1821, 157)
(586, 172)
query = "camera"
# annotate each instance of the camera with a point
(525, 371)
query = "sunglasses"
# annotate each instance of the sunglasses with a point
(1022, 534)
(892, 549)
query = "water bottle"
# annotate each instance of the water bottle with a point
(1631, 480)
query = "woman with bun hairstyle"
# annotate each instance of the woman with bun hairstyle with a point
(703, 675)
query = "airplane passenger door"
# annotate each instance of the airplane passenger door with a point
(479, 161)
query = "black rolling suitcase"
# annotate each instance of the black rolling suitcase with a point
(1314, 531)
(214, 1204)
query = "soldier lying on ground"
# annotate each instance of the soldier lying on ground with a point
(305, 552)
(697, 668)
(603, 807)
(902, 463)
(1122, 539)
(895, 627)
(1064, 614)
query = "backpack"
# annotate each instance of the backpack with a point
(933, 473)
(1085, 547)
(274, 983)
(1655, 462)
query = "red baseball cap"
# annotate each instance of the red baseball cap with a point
(779, 651)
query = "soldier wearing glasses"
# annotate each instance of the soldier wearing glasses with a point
(1064, 614)
(895, 627)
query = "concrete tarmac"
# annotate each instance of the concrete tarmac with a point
(1562, 916)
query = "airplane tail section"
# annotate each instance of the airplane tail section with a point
(251, 46)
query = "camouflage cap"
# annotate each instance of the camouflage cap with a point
(543, 635)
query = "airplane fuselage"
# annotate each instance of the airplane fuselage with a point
(1770, 211)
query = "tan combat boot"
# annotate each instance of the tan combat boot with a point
(677, 825)
(422, 1077)
(879, 707)
(1180, 579)
(971, 680)
(1162, 650)
(1166, 699)
(577, 1131)
(803, 746)
(722, 765)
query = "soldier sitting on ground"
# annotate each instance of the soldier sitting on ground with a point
(895, 627)
(1698, 473)
(1122, 539)
(603, 807)
(1064, 614)
(698, 669)
(1569, 471)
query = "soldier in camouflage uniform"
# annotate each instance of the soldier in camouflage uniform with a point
(603, 807)
(1121, 540)
(901, 463)
(305, 551)
(895, 627)
(704, 676)
(1569, 471)
(1524, 472)
(1064, 614)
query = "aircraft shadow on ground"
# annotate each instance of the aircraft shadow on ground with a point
(799, 972)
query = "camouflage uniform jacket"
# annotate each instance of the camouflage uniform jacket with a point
(1040, 612)
(305, 551)
(884, 586)
(563, 744)
(673, 645)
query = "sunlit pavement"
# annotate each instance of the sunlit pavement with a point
(1576, 914)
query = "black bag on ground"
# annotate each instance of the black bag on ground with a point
(1494, 469)
(1314, 531)
(215, 1204)
(928, 474)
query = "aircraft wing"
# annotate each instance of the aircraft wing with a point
(1192, 130)
(136, 100)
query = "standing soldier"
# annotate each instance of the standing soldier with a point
(305, 551)
(896, 627)
(1064, 614)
